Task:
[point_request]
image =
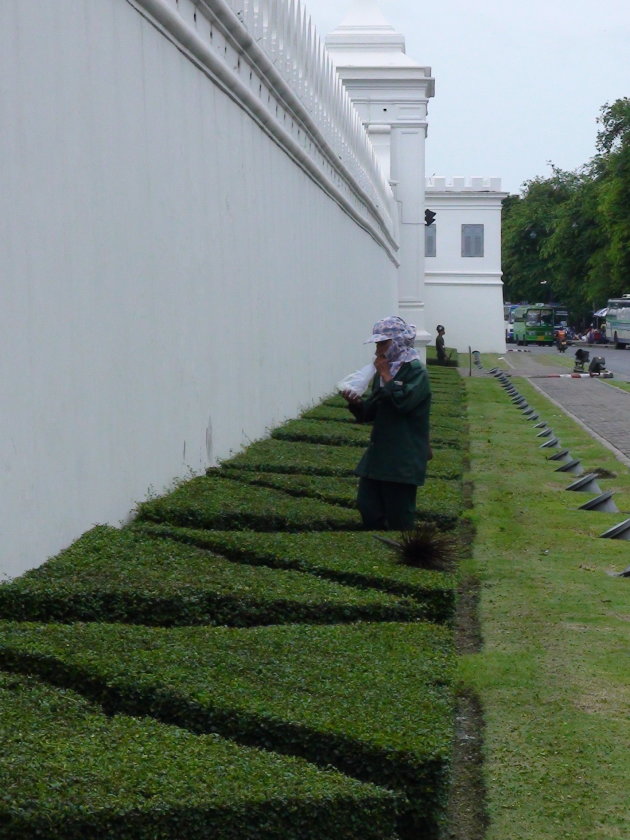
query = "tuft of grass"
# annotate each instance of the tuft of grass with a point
(426, 547)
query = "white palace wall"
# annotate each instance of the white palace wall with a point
(177, 275)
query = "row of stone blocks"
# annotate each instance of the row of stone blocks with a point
(585, 483)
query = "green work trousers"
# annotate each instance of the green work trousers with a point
(386, 505)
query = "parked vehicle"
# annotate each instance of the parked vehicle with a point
(534, 324)
(508, 320)
(618, 320)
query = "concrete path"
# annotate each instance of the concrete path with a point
(601, 409)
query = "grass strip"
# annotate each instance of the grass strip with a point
(553, 671)
(282, 456)
(372, 700)
(111, 575)
(68, 772)
(355, 559)
(212, 501)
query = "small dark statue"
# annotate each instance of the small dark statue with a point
(581, 358)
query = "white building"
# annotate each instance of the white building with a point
(390, 92)
(463, 288)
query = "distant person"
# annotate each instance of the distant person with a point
(561, 339)
(439, 345)
(398, 405)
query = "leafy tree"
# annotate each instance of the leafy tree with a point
(528, 222)
(567, 237)
(613, 168)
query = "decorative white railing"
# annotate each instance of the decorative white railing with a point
(267, 55)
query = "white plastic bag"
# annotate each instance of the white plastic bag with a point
(358, 381)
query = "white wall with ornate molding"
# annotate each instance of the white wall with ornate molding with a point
(186, 259)
(465, 293)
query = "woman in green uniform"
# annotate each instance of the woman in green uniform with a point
(398, 405)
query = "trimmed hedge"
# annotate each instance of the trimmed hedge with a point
(69, 772)
(452, 360)
(283, 456)
(212, 501)
(333, 433)
(290, 457)
(438, 500)
(111, 575)
(327, 412)
(446, 402)
(372, 700)
(357, 559)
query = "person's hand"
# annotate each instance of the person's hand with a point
(382, 366)
(351, 397)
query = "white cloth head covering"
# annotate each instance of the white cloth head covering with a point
(402, 335)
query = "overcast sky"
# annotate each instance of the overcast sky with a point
(516, 84)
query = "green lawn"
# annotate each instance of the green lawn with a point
(552, 673)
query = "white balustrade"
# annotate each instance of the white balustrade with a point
(271, 49)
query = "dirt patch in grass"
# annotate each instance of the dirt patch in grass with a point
(467, 817)
(467, 814)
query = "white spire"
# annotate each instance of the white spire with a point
(365, 13)
(364, 38)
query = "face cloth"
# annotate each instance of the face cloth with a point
(402, 335)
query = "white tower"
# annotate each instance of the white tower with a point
(391, 93)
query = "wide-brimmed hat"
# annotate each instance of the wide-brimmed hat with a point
(391, 327)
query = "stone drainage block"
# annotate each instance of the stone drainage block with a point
(586, 484)
(550, 442)
(573, 466)
(602, 503)
(544, 433)
(563, 455)
(541, 425)
(619, 532)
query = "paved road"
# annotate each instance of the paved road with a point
(616, 360)
(603, 410)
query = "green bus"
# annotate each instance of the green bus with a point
(534, 324)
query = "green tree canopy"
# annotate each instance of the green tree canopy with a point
(567, 236)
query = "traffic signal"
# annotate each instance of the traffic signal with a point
(429, 216)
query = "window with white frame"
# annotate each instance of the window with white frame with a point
(429, 241)
(472, 240)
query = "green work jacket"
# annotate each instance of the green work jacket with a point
(399, 410)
